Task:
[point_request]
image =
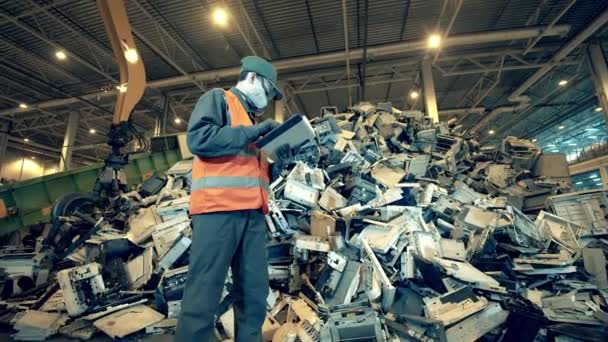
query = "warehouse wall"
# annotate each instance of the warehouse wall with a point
(20, 166)
(592, 168)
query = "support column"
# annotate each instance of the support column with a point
(597, 61)
(604, 176)
(279, 106)
(430, 101)
(160, 122)
(4, 126)
(68, 141)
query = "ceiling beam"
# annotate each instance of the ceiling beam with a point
(325, 59)
(27, 28)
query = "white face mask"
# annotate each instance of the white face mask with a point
(254, 91)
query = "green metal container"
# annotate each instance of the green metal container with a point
(30, 202)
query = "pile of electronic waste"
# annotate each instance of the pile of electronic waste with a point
(383, 226)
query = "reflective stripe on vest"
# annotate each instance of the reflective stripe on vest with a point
(228, 182)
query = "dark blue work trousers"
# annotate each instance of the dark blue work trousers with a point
(221, 240)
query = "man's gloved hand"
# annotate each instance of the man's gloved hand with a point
(256, 131)
(267, 126)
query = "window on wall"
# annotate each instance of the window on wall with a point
(587, 181)
(570, 157)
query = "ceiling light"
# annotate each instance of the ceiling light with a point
(562, 83)
(60, 54)
(491, 132)
(578, 183)
(122, 88)
(571, 144)
(92, 131)
(177, 120)
(220, 17)
(131, 55)
(550, 145)
(434, 41)
(33, 158)
(534, 140)
(561, 127)
(23, 106)
(26, 139)
(598, 109)
(414, 94)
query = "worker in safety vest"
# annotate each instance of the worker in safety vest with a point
(228, 202)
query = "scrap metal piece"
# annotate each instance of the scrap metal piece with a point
(169, 210)
(165, 234)
(356, 159)
(347, 285)
(307, 175)
(127, 321)
(453, 249)
(165, 326)
(81, 287)
(523, 152)
(474, 327)
(305, 313)
(301, 193)
(139, 269)
(427, 245)
(464, 194)
(478, 219)
(336, 261)
(322, 225)
(408, 265)
(595, 264)
(588, 209)
(387, 175)
(525, 232)
(466, 272)
(547, 259)
(562, 232)
(381, 239)
(54, 303)
(577, 306)
(312, 243)
(80, 329)
(181, 168)
(275, 219)
(360, 325)
(418, 165)
(294, 132)
(136, 300)
(38, 325)
(331, 200)
(142, 224)
(388, 290)
(180, 246)
(454, 306)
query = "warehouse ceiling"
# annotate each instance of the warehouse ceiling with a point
(185, 53)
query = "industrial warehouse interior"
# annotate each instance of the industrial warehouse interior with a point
(304, 170)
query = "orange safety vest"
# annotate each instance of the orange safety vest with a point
(231, 183)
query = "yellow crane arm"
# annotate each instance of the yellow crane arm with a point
(132, 72)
